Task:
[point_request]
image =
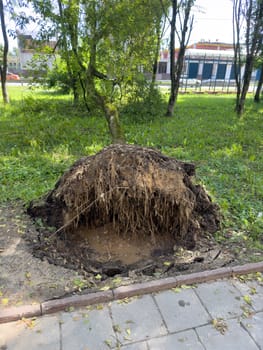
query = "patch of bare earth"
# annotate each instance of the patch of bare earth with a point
(23, 277)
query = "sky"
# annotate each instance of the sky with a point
(213, 21)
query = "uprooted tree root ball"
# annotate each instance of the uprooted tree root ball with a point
(139, 191)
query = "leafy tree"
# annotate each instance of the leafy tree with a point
(106, 45)
(247, 26)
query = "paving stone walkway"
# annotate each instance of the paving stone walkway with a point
(225, 314)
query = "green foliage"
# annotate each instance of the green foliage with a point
(147, 104)
(103, 45)
(58, 77)
(41, 135)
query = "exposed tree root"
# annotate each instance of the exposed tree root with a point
(139, 190)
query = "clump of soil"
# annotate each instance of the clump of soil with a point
(124, 204)
(139, 190)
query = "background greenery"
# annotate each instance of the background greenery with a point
(43, 133)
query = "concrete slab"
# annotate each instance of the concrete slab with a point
(254, 326)
(181, 310)
(86, 329)
(235, 337)
(137, 320)
(39, 334)
(183, 341)
(221, 299)
(254, 290)
(135, 346)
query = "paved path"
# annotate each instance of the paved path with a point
(225, 314)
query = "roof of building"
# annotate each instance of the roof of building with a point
(209, 53)
(208, 45)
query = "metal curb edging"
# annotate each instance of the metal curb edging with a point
(48, 307)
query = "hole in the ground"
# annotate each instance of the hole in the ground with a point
(108, 246)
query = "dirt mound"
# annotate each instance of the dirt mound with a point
(137, 190)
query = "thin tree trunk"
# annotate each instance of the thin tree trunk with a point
(112, 116)
(185, 26)
(155, 64)
(110, 111)
(259, 86)
(3, 68)
(73, 75)
(172, 98)
(73, 34)
(159, 34)
(183, 37)
(245, 85)
(237, 50)
(253, 43)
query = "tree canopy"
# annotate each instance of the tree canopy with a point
(106, 46)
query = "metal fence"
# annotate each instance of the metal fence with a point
(212, 73)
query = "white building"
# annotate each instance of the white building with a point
(28, 48)
(204, 61)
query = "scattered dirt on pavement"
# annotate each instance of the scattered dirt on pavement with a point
(23, 277)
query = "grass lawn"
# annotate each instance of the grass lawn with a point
(42, 134)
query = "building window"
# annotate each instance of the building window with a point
(162, 67)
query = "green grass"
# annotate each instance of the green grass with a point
(43, 133)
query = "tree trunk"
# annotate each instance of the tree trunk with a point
(176, 72)
(112, 117)
(156, 55)
(183, 42)
(251, 14)
(172, 98)
(154, 72)
(3, 68)
(110, 111)
(71, 70)
(259, 87)
(245, 85)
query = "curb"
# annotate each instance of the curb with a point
(48, 307)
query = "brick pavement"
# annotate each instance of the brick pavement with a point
(224, 314)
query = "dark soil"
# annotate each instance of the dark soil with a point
(103, 252)
(36, 266)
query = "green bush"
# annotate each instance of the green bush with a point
(149, 103)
